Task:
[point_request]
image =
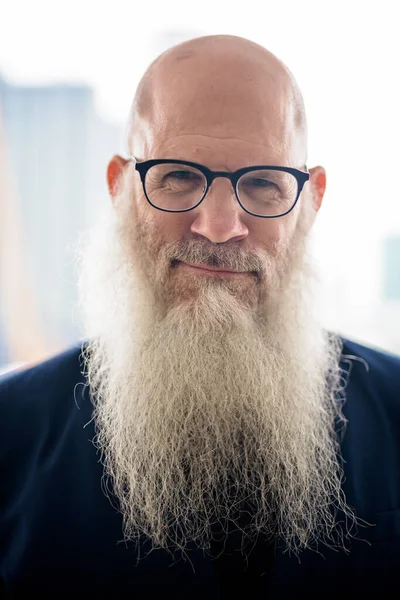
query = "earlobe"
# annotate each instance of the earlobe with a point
(318, 186)
(115, 170)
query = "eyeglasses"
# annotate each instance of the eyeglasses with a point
(179, 186)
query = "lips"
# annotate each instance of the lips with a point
(210, 271)
(213, 269)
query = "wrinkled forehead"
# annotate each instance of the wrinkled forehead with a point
(229, 97)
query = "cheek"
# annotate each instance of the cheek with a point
(170, 227)
(274, 235)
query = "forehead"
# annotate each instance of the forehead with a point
(231, 107)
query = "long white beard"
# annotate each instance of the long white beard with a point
(211, 403)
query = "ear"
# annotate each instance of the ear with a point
(115, 170)
(318, 186)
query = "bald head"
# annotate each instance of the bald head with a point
(219, 87)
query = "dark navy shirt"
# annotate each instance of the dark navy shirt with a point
(60, 536)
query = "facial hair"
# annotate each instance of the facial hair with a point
(212, 394)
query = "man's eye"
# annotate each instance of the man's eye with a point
(258, 182)
(180, 175)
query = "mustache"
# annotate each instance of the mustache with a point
(226, 255)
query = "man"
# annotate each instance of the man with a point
(210, 438)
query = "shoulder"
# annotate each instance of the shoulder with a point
(43, 409)
(372, 375)
(41, 398)
(51, 377)
(377, 356)
(374, 363)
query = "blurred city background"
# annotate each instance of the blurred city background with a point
(68, 72)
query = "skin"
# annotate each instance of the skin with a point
(226, 103)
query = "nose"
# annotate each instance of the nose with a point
(219, 217)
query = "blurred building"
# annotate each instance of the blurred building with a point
(22, 337)
(384, 319)
(388, 310)
(391, 283)
(58, 149)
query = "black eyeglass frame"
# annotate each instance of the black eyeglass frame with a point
(143, 167)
